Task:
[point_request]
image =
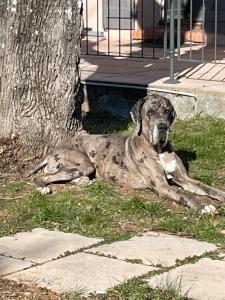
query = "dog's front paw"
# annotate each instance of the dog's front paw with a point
(45, 190)
(208, 209)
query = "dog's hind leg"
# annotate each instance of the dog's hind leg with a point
(42, 164)
(63, 175)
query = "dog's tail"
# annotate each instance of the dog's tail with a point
(42, 164)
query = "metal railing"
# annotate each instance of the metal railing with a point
(205, 48)
(136, 28)
(196, 34)
(109, 28)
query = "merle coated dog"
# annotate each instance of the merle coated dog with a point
(145, 159)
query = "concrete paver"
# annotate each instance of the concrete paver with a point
(155, 248)
(204, 280)
(90, 273)
(9, 265)
(41, 245)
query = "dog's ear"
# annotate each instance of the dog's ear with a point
(173, 115)
(136, 114)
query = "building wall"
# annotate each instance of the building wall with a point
(143, 29)
(148, 13)
(91, 12)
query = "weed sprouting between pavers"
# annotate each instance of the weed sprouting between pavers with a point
(138, 288)
(133, 289)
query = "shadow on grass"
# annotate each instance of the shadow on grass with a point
(186, 157)
(105, 123)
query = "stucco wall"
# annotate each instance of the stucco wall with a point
(91, 12)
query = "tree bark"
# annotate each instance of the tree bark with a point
(40, 91)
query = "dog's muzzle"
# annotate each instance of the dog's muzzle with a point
(162, 127)
(159, 134)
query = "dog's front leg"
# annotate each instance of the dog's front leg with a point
(166, 191)
(200, 188)
(155, 178)
(181, 178)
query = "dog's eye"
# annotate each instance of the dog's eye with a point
(167, 110)
(149, 112)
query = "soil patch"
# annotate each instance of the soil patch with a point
(13, 161)
(12, 290)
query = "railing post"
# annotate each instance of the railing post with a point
(172, 80)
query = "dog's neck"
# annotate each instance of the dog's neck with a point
(161, 149)
(144, 139)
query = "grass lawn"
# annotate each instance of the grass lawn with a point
(102, 210)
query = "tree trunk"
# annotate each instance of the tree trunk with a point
(40, 91)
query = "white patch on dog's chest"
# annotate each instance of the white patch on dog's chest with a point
(168, 165)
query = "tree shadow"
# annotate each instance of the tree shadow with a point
(103, 122)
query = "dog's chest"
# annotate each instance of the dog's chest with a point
(168, 163)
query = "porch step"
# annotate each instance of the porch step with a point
(148, 33)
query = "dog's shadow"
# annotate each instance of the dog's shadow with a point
(186, 157)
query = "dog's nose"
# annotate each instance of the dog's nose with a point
(162, 127)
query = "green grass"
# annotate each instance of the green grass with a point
(203, 138)
(98, 210)
(102, 210)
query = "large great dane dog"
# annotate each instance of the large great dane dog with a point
(145, 159)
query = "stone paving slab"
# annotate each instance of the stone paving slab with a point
(204, 280)
(9, 265)
(155, 248)
(88, 272)
(41, 245)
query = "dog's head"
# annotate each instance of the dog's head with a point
(153, 116)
